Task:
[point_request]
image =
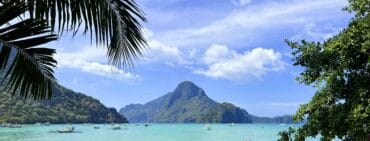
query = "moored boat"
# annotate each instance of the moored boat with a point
(208, 127)
(69, 129)
(116, 127)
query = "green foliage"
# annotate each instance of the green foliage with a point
(339, 68)
(290, 135)
(115, 23)
(286, 135)
(225, 113)
(360, 7)
(27, 24)
(24, 66)
(65, 106)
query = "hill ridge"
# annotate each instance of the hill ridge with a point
(188, 103)
(66, 106)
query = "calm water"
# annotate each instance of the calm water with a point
(155, 132)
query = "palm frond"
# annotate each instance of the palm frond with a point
(25, 68)
(115, 23)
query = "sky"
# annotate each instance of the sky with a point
(233, 49)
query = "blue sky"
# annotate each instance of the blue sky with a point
(233, 49)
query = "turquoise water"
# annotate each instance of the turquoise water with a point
(154, 132)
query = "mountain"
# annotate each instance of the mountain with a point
(186, 104)
(65, 106)
(189, 104)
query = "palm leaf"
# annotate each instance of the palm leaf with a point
(25, 68)
(115, 23)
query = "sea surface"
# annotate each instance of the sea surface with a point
(154, 132)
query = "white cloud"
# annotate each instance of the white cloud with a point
(248, 22)
(92, 60)
(225, 63)
(241, 2)
(161, 52)
(87, 60)
(218, 53)
(321, 31)
(244, 2)
(316, 32)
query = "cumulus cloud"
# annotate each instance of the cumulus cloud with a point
(159, 51)
(218, 53)
(92, 60)
(226, 63)
(87, 60)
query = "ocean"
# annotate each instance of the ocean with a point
(153, 132)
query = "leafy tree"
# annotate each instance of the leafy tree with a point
(114, 24)
(66, 106)
(340, 69)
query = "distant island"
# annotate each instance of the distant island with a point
(186, 104)
(189, 104)
(66, 106)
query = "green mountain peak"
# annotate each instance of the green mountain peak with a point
(189, 103)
